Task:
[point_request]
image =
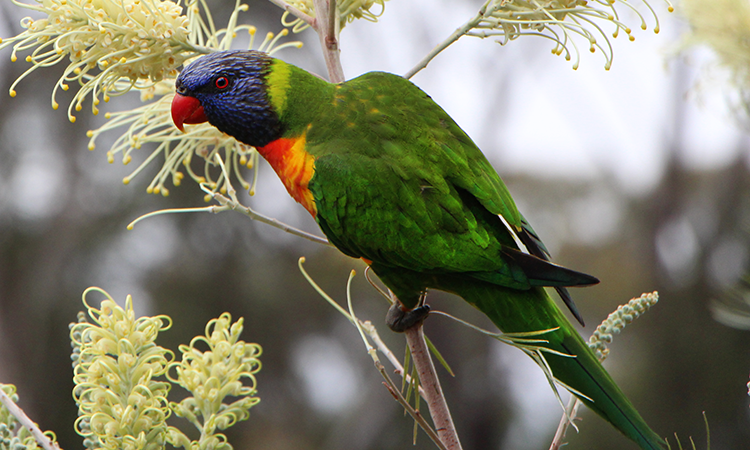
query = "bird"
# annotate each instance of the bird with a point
(392, 179)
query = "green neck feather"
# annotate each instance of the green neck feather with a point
(297, 96)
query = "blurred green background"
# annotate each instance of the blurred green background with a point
(683, 232)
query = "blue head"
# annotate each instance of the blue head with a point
(228, 89)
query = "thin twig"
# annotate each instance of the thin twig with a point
(328, 34)
(465, 28)
(570, 414)
(226, 204)
(372, 332)
(366, 327)
(415, 414)
(296, 12)
(234, 204)
(255, 215)
(436, 403)
(41, 438)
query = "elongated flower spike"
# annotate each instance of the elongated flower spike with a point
(617, 320)
(116, 362)
(122, 380)
(225, 369)
(598, 342)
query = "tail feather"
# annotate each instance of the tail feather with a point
(542, 272)
(533, 310)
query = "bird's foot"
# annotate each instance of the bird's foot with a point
(399, 319)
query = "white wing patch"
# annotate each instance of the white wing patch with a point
(521, 245)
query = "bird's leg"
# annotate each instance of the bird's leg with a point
(399, 319)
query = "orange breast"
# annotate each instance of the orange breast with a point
(294, 166)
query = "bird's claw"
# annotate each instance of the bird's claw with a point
(399, 320)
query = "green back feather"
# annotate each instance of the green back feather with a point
(397, 182)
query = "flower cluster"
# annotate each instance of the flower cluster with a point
(349, 11)
(558, 20)
(151, 123)
(226, 369)
(111, 45)
(116, 45)
(617, 320)
(121, 404)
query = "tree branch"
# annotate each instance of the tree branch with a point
(42, 439)
(327, 29)
(255, 215)
(570, 414)
(433, 392)
(328, 33)
(465, 28)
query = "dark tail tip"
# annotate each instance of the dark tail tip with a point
(565, 296)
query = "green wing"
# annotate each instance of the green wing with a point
(399, 183)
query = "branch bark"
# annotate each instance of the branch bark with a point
(42, 439)
(570, 414)
(433, 392)
(326, 24)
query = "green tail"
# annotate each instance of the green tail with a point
(533, 310)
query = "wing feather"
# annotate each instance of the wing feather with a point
(404, 186)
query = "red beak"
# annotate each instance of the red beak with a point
(187, 110)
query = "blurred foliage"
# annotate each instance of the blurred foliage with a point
(63, 212)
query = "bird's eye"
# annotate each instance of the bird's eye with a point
(222, 82)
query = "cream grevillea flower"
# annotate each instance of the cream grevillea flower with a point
(111, 45)
(349, 11)
(122, 405)
(725, 28)
(562, 21)
(221, 378)
(122, 381)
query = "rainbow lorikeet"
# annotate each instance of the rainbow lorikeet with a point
(391, 179)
